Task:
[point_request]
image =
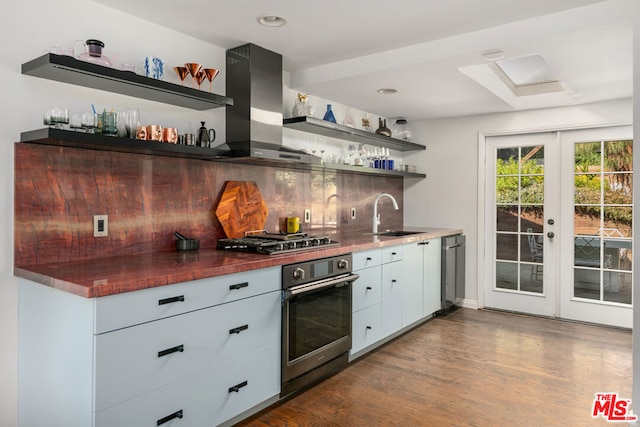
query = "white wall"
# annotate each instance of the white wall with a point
(28, 28)
(449, 195)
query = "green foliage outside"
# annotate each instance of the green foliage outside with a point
(588, 159)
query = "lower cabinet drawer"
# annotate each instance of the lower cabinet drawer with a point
(136, 360)
(366, 327)
(367, 289)
(203, 400)
(132, 308)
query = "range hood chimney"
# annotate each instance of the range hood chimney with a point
(254, 121)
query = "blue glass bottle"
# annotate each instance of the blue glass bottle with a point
(328, 116)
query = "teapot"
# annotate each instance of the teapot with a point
(91, 51)
(205, 136)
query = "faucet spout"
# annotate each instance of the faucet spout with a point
(376, 216)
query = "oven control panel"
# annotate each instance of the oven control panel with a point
(317, 269)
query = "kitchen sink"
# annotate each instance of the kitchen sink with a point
(397, 233)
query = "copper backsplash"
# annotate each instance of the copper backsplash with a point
(147, 198)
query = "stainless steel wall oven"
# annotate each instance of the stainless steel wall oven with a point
(316, 320)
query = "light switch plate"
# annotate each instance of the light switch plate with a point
(100, 225)
(307, 216)
(353, 213)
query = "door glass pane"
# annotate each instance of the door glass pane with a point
(618, 155)
(586, 283)
(617, 287)
(617, 221)
(507, 247)
(507, 218)
(531, 277)
(588, 157)
(618, 188)
(603, 221)
(507, 189)
(507, 275)
(519, 218)
(586, 220)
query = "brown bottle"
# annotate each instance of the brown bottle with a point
(383, 129)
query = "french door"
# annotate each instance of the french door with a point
(558, 224)
(520, 223)
(597, 239)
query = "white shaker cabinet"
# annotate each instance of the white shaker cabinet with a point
(366, 296)
(200, 352)
(423, 265)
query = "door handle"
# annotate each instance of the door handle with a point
(551, 235)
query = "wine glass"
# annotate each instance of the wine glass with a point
(193, 69)
(211, 74)
(182, 72)
(200, 76)
(362, 150)
(351, 150)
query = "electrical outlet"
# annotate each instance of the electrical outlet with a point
(353, 213)
(307, 216)
(100, 225)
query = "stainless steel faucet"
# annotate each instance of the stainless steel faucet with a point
(376, 216)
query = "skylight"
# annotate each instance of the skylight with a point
(527, 70)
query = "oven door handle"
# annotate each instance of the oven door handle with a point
(290, 293)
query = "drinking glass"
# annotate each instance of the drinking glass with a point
(75, 122)
(211, 74)
(193, 69)
(89, 121)
(59, 117)
(182, 72)
(362, 150)
(200, 76)
(132, 122)
(351, 150)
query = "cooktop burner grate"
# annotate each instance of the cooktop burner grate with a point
(266, 243)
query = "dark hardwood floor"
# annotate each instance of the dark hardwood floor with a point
(471, 368)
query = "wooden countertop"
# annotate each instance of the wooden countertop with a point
(107, 276)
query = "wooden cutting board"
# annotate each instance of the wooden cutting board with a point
(241, 208)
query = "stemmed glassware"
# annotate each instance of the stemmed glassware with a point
(200, 76)
(351, 150)
(362, 150)
(193, 69)
(211, 74)
(182, 72)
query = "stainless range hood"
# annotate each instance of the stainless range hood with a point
(254, 122)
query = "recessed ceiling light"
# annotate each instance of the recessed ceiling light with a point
(387, 90)
(493, 55)
(271, 20)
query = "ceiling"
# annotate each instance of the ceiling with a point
(345, 50)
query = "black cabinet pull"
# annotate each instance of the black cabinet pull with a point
(369, 327)
(177, 414)
(423, 243)
(369, 259)
(176, 349)
(179, 298)
(236, 388)
(238, 286)
(394, 281)
(393, 254)
(369, 288)
(238, 329)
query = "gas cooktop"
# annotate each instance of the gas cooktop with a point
(270, 243)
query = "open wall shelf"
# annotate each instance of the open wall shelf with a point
(333, 130)
(67, 69)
